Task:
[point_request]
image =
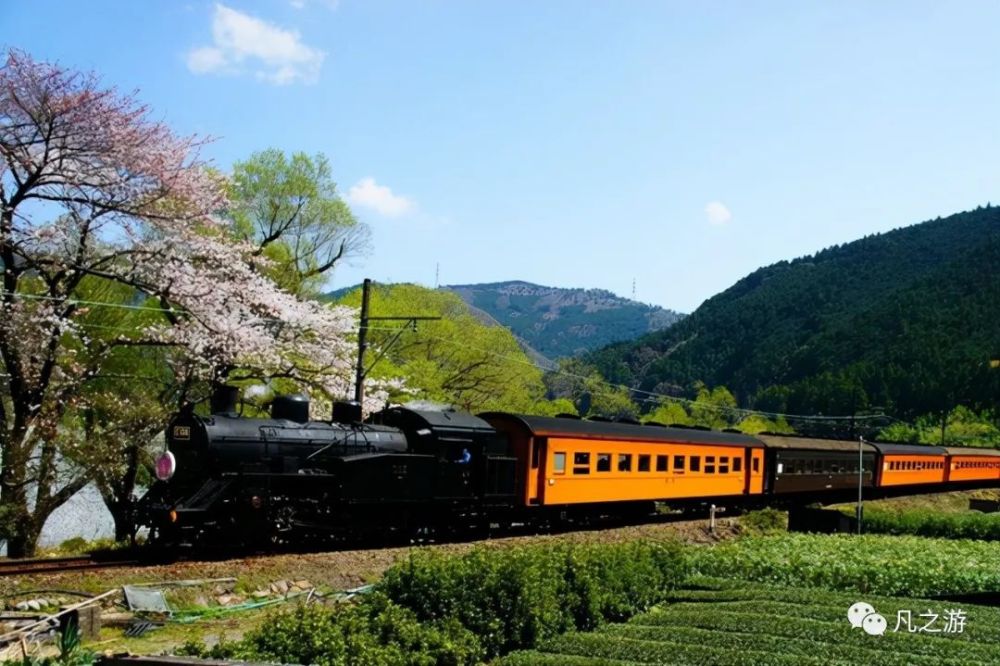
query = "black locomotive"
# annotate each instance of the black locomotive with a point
(247, 481)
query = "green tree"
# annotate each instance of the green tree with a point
(669, 412)
(458, 360)
(963, 427)
(714, 408)
(589, 392)
(289, 207)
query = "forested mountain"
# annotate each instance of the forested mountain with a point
(905, 320)
(564, 322)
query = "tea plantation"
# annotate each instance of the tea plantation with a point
(737, 623)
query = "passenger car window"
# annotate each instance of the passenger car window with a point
(661, 463)
(695, 463)
(581, 463)
(737, 464)
(643, 463)
(724, 465)
(603, 462)
(624, 462)
(559, 462)
(678, 464)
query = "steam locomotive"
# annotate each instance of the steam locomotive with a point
(407, 472)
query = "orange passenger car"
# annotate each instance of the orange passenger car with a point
(568, 461)
(968, 464)
(911, 464)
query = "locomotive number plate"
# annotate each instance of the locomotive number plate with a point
(182, 432)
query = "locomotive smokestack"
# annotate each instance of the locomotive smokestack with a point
(290, 407)
(347, 412)
(223, 400)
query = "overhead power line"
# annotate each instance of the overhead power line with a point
(527, 362)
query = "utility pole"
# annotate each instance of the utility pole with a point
(861, 478)
(437, 275)
(359, 375)
(360, 371)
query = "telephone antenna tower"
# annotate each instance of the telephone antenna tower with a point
(437, 275)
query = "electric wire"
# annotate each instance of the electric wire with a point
(649, 395)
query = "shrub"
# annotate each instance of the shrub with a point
(764, 521)
(899, 565)
(450, 610)
(514, 598)
(927, 523)
(375, 631)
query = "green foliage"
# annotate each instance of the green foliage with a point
(928, 523)
(288, 205)
(376, 631)
(554, 407)
(903, 321)
(448, 609)
(898, 565)
(963, 427)
(764, 521)
(582, 386)
(713, 408)
(669, 412)
(740, 623)
(514, 598)
(458, 360)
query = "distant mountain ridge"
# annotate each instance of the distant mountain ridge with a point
(560, 322)
(904, 321)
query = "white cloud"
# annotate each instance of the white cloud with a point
(366, 192)
(241, 42)
(717, 213)
(301, 4)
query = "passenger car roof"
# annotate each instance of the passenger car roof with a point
(549, 426)
(971, 451)
(812, 443)
(888, 449)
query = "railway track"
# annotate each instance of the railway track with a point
(58, 564)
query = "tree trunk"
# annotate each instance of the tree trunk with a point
(124, 517)
(24, 540)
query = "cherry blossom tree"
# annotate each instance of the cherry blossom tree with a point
(92, 189)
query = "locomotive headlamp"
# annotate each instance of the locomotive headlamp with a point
(165, 466)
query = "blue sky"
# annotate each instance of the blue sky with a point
(680, 144)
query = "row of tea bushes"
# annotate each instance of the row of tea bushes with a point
(927, 523)
(781, 625)
(887, 565)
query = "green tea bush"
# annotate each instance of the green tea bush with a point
(971, 525)
(514, 598)
(757, 630)
(629, 650)
(898, 565)
(376, 631)
(764, 521)
(447, 610)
